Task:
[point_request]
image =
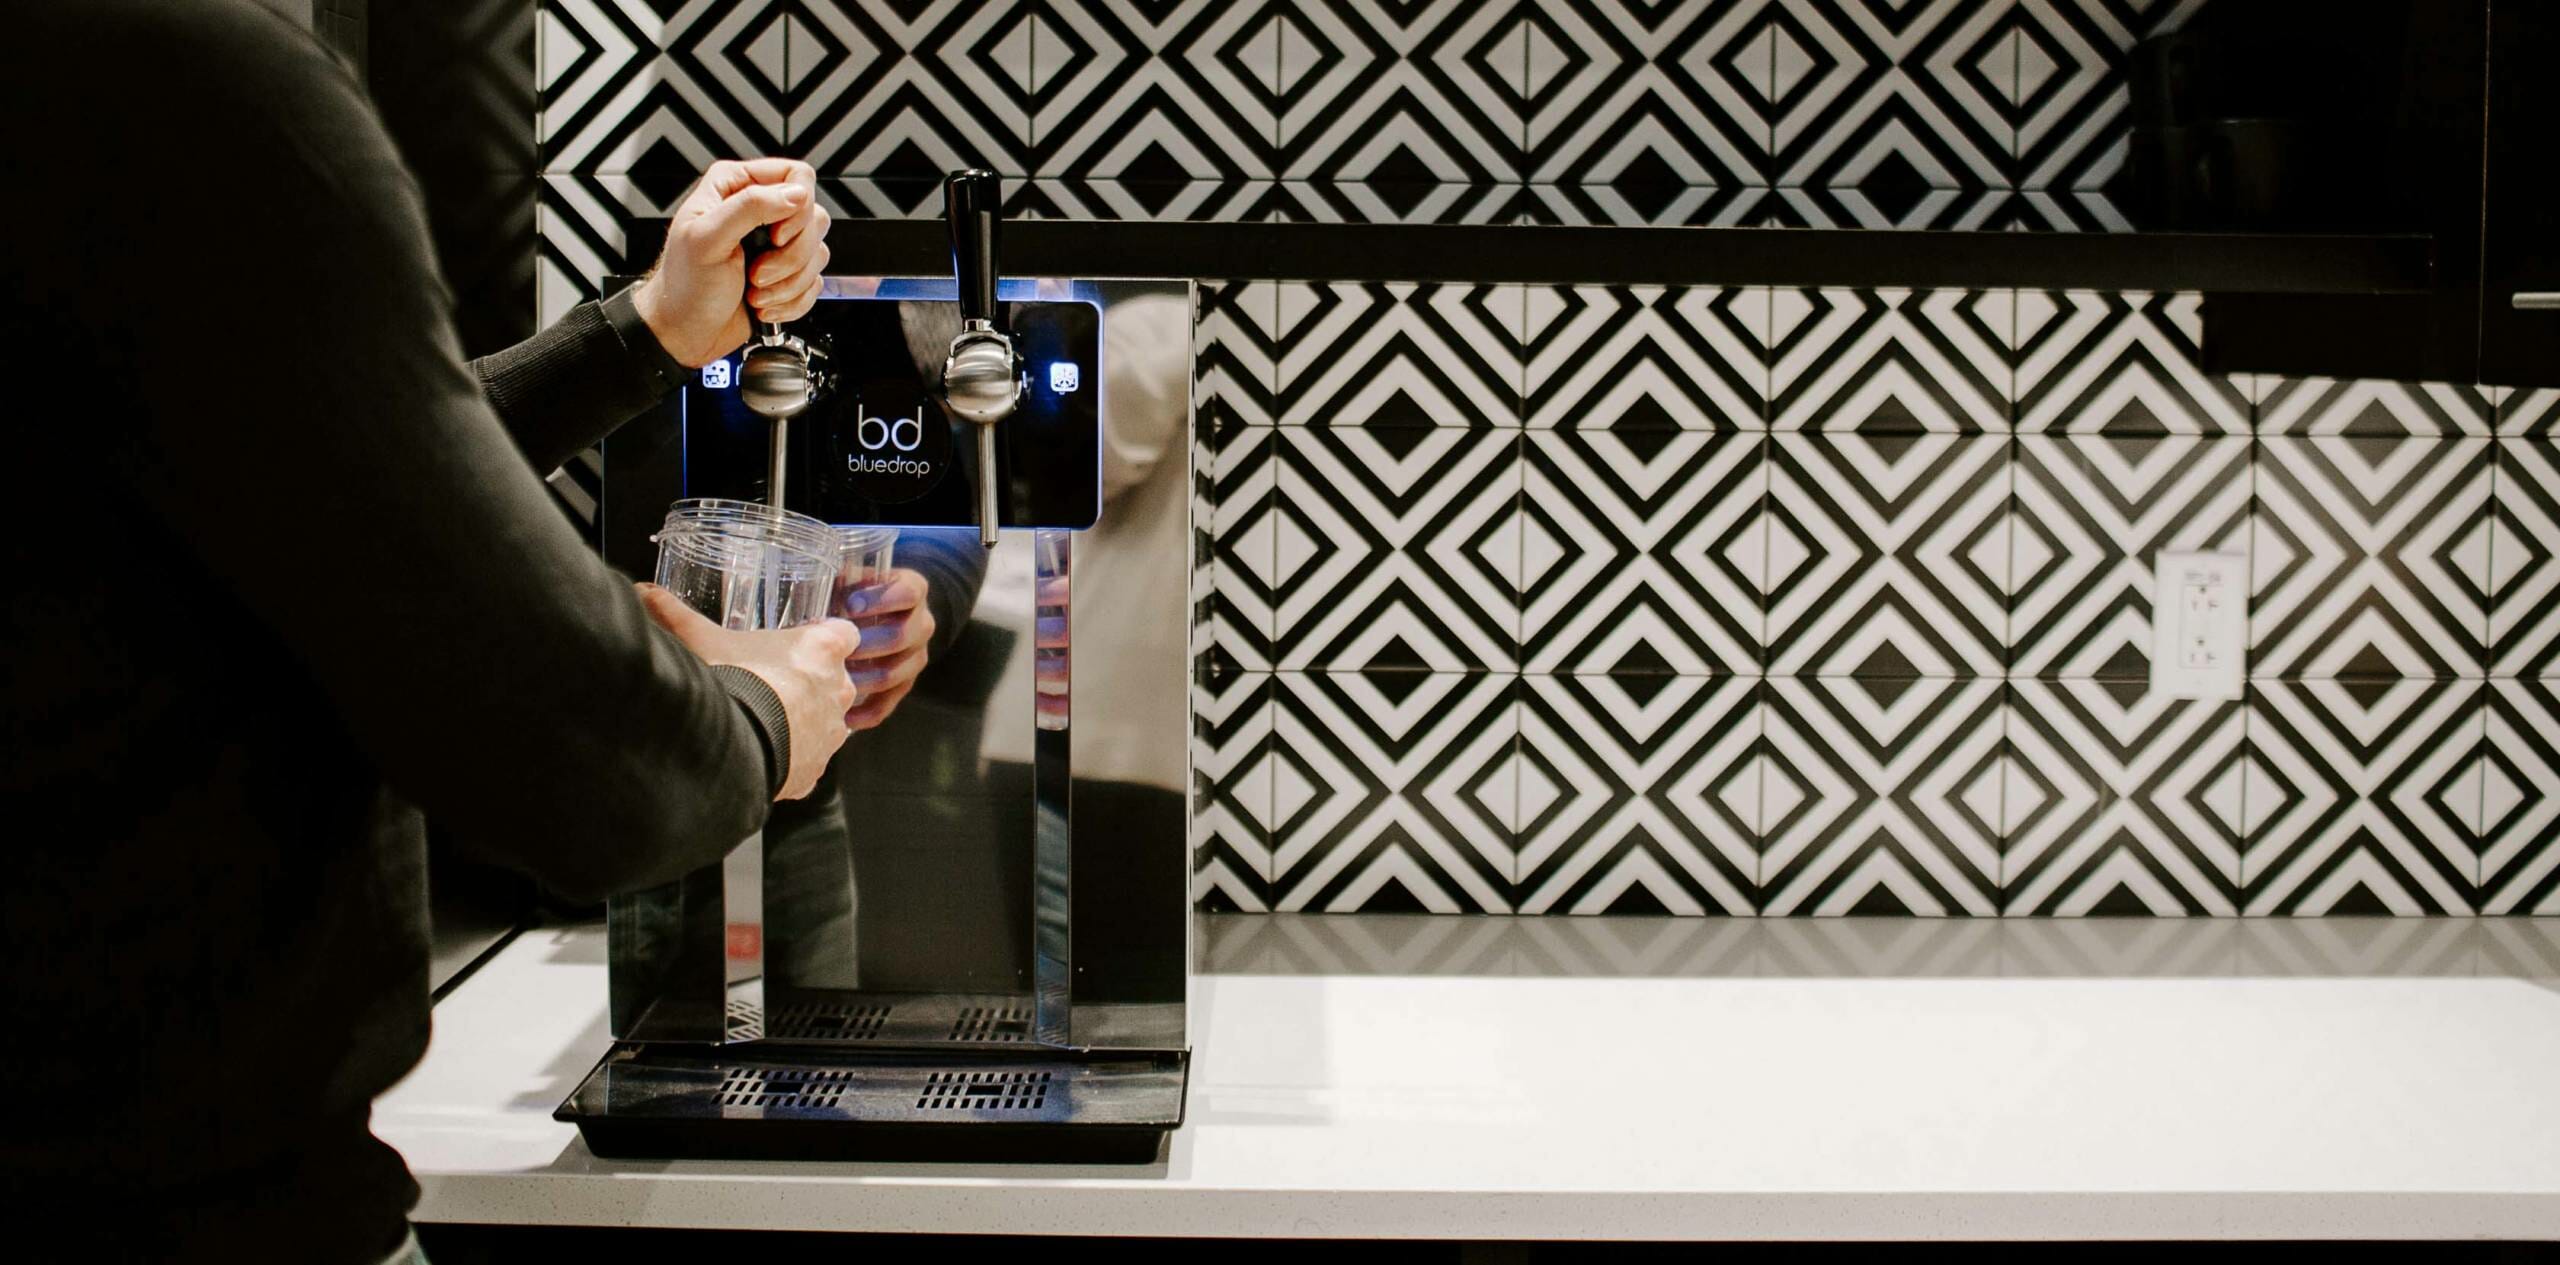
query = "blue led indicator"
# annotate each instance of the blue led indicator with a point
(1064, 377)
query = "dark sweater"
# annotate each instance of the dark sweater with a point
(279, 577)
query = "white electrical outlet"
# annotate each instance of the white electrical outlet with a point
(2199, 624)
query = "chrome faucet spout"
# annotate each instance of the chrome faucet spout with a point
(982, 375)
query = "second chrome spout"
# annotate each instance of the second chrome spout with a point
(982, 377)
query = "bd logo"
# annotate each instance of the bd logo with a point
(888, 446)
(904, 434)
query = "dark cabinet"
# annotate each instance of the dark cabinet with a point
(2520, 236)
(2457, 147)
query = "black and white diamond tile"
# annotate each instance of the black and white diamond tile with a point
(2524, 559)
(2093, 514)
(1240, 526)
(1643, 552)
(1392, 356)
(1630, 359)
(1397, 548)
(1394, 791)
(1398, 540)
(1881, 795)
(1880, 204)
(1234, 769)
(1236, 346)
(892, 94)
(1143, 200)
(1641, 204)
(1167, 109)
(1388, 94)
(2363, 795)
(1647, 114)
(1888, 555)
(2119, 363)
(2064, 211)
(1890, 362)
(2119, 800)
(1235, 469)
(1878, 104)
(635, 86)
(1638, 794)
(1645, 361)
(2520, 800)
(1641, 535)
(1386, 202)
(2527, 411)
(2362, 407)
(579, 235)
(2370, 556)
(2074, 107)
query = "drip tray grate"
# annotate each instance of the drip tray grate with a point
(772, 1086)
(819, 1021)
(985, 1091)
(829, 1017)
(992, 1025)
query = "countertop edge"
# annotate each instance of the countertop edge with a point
(709, 1201)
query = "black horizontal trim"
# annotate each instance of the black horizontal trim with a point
(1550, 254)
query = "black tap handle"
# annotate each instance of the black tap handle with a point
(758, 241)
(971, 201)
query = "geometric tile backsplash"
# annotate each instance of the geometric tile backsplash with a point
(1582, 599)
(1779, 602)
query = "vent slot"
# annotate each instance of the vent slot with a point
(985, 1091)
(817, 1021)
(992, 1024)
(786, 1086)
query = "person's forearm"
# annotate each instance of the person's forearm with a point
(570, 385)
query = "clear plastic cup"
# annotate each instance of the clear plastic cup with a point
(748, 566)
(864, 556)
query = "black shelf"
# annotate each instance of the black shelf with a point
(1551, 255)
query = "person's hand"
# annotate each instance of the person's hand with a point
(897, 630)
(696, 299)
(804, 665)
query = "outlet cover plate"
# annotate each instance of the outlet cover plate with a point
(2199, 624)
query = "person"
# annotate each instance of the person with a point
(283, 578)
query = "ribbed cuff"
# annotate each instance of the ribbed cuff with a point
(622, 312)
(764, 707)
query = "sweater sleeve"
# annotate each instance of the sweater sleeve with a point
(374, 513)
(573, 383)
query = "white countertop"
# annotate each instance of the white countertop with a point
(1643, 1079)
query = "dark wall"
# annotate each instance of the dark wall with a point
(454, 81)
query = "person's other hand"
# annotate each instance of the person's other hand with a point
(804, 665)
(696, 299)
(897, 631)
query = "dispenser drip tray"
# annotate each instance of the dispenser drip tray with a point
(779, 1100)
(936, 1019)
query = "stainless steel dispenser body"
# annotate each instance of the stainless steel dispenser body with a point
(974, 940)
